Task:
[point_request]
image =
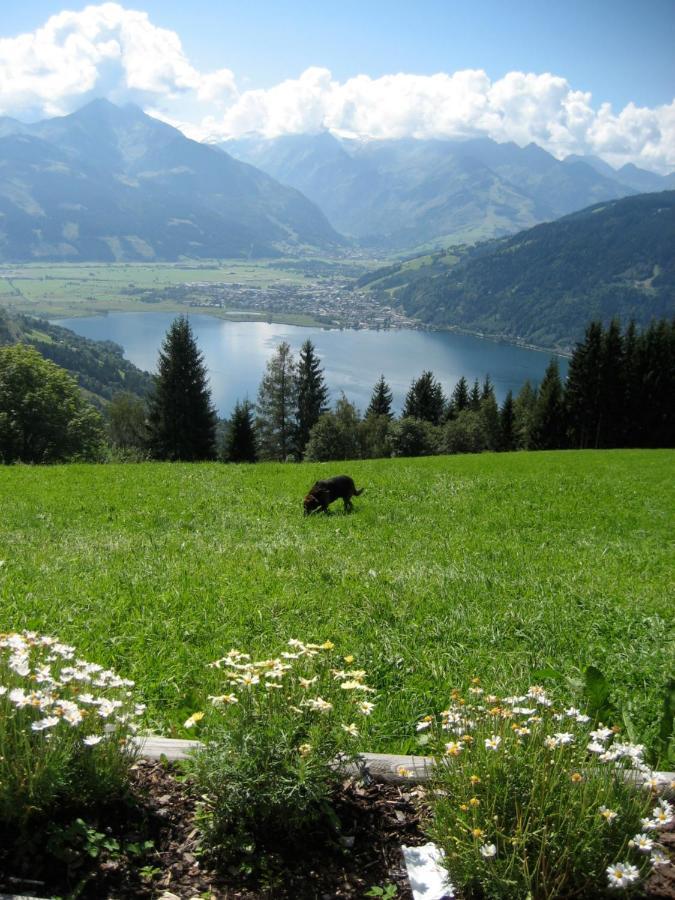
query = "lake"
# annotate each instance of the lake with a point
(236, 354)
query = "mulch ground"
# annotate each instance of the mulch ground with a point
(376, 819)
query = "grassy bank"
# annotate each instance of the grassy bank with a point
(449, 567)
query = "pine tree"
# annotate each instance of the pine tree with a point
(181, 417)
(523, 414)
(582, 390)
(425, 399)
(312, 394)
(240, 445)
(489, 413)
(474, 397)
(459, 401)
(380, 400)
(548, 424)
(488, 389)
(277, 407)
(612, 390)
(507, 422)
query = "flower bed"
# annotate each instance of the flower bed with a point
(525, 796)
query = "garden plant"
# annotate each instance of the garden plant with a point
(278, 740)
(532, 800)
(65, 734)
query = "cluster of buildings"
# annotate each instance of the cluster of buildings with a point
(331, 302)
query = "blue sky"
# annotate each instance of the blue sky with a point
(583, 76)
(620, 50)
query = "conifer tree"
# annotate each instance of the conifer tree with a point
(459, 401)
(612, 392)
(475, 396)
(380, 400)
(181, 417)
(507, 422)
(240, 444)
(523, 413)
(548, 425)
(312, 394)
(489, 413)
(488, 389)
(277, 407)
(425, 399)
(582, 390)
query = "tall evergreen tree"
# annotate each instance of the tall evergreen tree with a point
(181, 417)
(277, 407)
(380, 400)
(523, 415)
(548, 425)
(489, 414)
(507, 424)
(488, 389)
(475, 396)
(459, 400)
(425, 399)
(612, 388)
(632, 412)
(312, 394)
(240, 444)
(582, 390)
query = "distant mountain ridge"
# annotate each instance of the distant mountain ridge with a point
(109, 183)
(543, 285)
(397, 194)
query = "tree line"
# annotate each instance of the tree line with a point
(618, 393)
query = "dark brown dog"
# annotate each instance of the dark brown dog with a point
(323, 493)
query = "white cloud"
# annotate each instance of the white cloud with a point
(118, 53)
(104, 50)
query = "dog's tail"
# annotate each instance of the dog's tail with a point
(358, 493)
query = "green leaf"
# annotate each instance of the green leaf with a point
(547, 674)
(597, 688)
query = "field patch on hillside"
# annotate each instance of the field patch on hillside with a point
(450, 567)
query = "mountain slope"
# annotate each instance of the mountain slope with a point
(110, 183)
(404, 193)
(99, 366)
(544, 284)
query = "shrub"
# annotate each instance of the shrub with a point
(277, 742)
(413, 437)
(532, 801)
(65, 726)
(43, 416)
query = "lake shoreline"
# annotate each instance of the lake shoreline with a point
(300, 321)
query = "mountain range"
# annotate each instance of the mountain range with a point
(110, 183)
(398, 194)
(544, 284)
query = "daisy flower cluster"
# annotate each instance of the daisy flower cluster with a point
(305, 680)
(45, 687)
(519, 779)
(58, 714)
(277, 740)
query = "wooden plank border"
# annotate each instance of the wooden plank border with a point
(390, 768)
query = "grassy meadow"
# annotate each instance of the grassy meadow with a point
(449, 567)
(84, 289)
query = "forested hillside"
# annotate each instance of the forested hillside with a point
(98, 366)
(543, 285)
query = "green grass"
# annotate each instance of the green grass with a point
(74, 289)
(450, 566)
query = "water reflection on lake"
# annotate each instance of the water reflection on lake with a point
(236, 354)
